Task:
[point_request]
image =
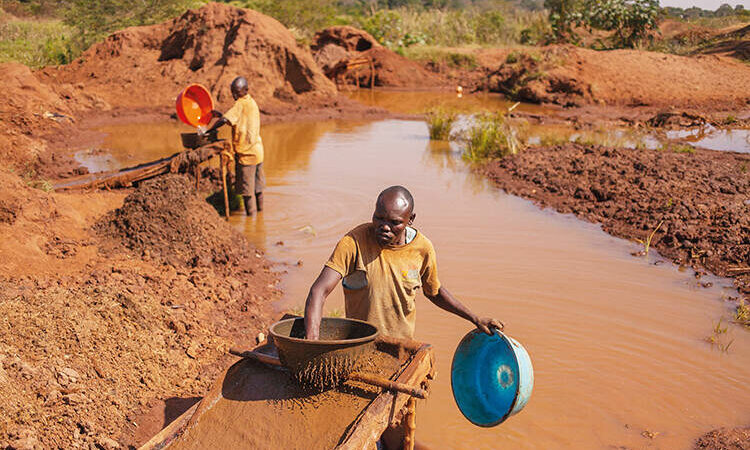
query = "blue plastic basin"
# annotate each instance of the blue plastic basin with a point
(491, 376)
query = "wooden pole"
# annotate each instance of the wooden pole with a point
(410, 424)
(224, 183)
(384, 383)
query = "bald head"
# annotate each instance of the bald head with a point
(239, 87)
(394, 211)
(398, 198)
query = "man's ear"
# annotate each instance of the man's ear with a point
(411, 219)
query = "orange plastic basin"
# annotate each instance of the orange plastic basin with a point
(194, 105)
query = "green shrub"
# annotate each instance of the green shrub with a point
(440, 122)
(441, 56)
(491, 136)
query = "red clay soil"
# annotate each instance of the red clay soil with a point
(334, 46)
(725, 439)
(149, 65)
(700, 198)
(574, 76)
(98, 324)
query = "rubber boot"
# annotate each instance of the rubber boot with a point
(248, 200)
(259, 201)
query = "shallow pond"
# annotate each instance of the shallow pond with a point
(617, 342)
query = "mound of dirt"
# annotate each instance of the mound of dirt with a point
(700, 198)
(165, 220)
(91, 335)
(574, 76)
(725, 439)
(335, 44)
(335, 47)
(148, 66)
(349, 38)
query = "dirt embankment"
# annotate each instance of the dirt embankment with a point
(139, 71)
(574, 76)
(695, 204)
(104, 312)
(148, 66)
(335, 47)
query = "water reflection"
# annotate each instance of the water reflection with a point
(736, 140)
(419, 102)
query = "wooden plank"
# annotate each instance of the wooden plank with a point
(372, 422)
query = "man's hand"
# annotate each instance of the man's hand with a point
(485, 324)
(216, 114)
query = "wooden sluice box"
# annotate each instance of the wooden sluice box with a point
(255, 405)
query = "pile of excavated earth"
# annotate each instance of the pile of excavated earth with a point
(693, 204)
(105, 310)
(117, 303)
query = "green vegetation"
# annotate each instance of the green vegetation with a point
(400, 25)
(682, 148)
(702, 16)
(629, 20)
(438, 56)
(677, 148)
(95, 19)
(48, 32)
(493, 135)
(647, 243)
(742, 314)
(440, 122)
(35, 43)
(33, 180)
(717, 337)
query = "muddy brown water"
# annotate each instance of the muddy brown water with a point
(618, 342)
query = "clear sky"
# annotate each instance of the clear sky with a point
(705, 4)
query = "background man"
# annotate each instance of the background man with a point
(247, 146)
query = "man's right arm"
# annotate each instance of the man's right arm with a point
(323, 285)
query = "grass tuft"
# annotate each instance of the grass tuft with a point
(440, 122)
(742, 314)
(492, 136)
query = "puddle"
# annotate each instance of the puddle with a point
(617, 342)
(734, 140)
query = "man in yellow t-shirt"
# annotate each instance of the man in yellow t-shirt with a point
(247, 146)
(382, 265)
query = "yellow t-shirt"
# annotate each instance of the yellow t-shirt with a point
(380, 283)
(244, 116)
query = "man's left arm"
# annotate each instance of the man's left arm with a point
(439, 295)
(445, 300)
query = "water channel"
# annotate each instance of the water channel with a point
(617, 342)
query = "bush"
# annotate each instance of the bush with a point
(95, 19)
(440, 122)
(440, 56)
(304, 18)
(492, 136)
